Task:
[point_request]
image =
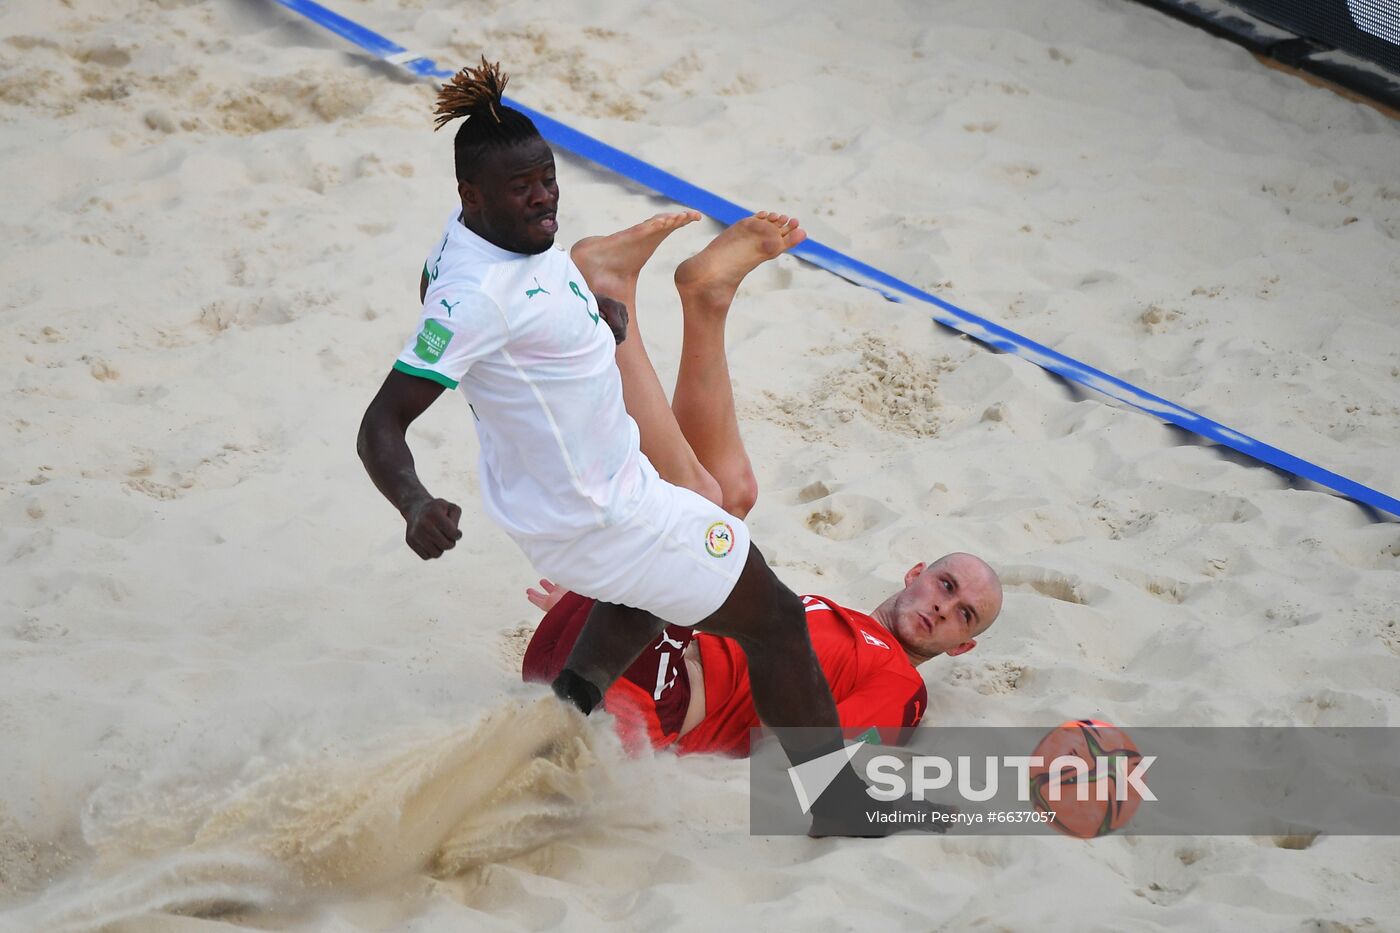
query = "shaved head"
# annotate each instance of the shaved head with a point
(943, 607)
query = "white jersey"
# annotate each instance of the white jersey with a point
(522, 338)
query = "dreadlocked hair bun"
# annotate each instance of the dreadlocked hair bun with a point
(475, 93)
(472, 92)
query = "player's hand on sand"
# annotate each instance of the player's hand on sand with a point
(546, 596)
(615, 313)
(432, 528)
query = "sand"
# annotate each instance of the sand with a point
(231, 698)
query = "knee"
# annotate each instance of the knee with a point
(740, 493)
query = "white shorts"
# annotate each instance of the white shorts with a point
(678, 557)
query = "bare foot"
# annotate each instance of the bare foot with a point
(709, 279)
(611, 263)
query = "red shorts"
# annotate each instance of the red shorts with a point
(649, 700)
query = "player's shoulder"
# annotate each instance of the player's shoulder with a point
(867, 633)
(815, 603)
(858, 623)
(561, 257)
(855, 618)
(459, 300)
(467, 257)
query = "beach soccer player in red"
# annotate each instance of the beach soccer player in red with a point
(691, 689)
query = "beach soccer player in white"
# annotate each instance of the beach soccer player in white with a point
(510, 321)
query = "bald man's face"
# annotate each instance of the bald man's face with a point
(944, 606)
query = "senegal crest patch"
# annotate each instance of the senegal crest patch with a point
(719, 539)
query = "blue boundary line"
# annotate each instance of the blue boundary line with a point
(692, 196)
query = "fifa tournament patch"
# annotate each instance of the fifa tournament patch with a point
(870, 736)
(719, 539)
(432, 340)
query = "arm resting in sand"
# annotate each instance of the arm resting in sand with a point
(383, 449)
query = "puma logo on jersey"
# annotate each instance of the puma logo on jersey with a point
(537, 290)
(663, 668)
(449, 307)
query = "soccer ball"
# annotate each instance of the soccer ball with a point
(1080, 783)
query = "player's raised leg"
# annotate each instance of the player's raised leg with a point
(707, 283)
(703, 403)
(611, 264)
(763, 615)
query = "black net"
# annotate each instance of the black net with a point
(1369, 29)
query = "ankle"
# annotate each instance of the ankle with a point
(572, 688)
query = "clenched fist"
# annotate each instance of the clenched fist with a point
(432, 528)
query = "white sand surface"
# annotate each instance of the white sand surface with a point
(231, 698)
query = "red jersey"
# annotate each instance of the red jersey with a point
(871, 678)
